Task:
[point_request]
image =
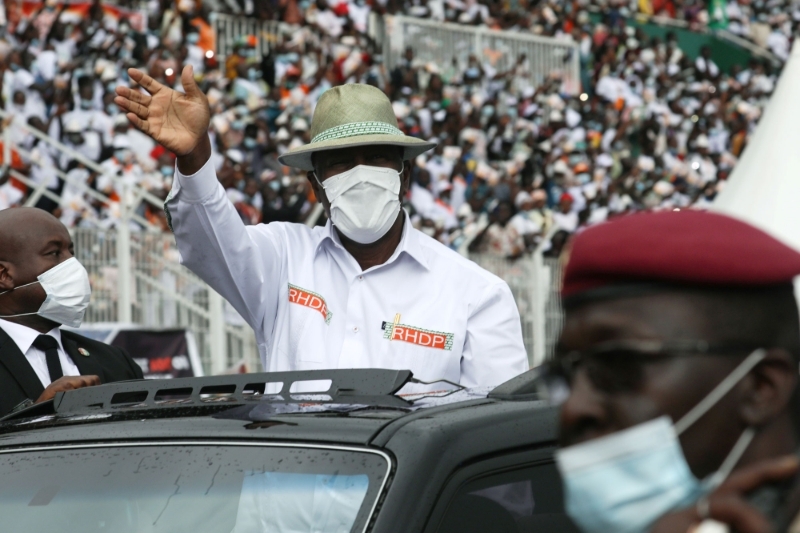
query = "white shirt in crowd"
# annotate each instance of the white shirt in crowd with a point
(23, 337)
(426, 309)
(10, 196)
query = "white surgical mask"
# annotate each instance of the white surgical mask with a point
(625, 481)
(364, 201)
(68, 292)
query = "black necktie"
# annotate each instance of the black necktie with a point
(49, 346)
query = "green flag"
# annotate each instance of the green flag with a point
(718, 14)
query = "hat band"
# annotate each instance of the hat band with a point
(356, 128)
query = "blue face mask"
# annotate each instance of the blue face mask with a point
(627, 480)
(166, 170)
(249, 143)
(86, 104)
(193, 38)
(112, 109)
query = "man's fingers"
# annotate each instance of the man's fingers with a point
(189, 85)
(67, 383)
(91, 380)
(136, 96)
(737, 513)
(129, 105)
(753, 476)
(142, 125)
(149, 84)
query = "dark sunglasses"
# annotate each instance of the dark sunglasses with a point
(616, 367)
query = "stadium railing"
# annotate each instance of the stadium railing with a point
(228, 29)
(535, 282)
(433, 42)
(440, 43)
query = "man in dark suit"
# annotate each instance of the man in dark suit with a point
(42, 287)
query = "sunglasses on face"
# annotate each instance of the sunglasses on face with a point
(618, 367)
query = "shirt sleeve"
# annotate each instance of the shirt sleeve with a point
(242, 263)
(493, 351)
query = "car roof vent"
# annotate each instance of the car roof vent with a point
(351, 386)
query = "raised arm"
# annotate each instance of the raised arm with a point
(243, 264)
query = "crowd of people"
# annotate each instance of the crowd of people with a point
(518, 163)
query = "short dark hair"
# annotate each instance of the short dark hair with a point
(765, 316)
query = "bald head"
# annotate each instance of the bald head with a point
(32, 241)
(23, 229)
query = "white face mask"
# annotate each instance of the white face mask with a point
(364, 201)
(68, 293)
(625, 481)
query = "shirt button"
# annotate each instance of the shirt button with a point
(360, 278)
(355, 329)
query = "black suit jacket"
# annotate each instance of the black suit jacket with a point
(19, 382)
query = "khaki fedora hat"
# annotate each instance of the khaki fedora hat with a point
(353, 115)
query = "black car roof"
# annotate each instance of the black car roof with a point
(353, 414)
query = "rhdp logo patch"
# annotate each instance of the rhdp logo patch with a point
(311, 300)
(395, 331)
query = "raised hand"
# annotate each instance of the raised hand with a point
(177, 121)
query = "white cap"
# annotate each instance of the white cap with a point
(122, 142)
(300, 124)
(701, 141)
(663, 188)
(604, 160)
(121, 120)
(234, 155)
(560, 167)
(522, 198)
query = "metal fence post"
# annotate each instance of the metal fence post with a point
(7, 145)
(216, 328)
(124, 273)
(538, 299)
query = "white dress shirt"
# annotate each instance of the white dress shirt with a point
(426, 309)
(24, 336)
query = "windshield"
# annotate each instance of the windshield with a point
(189, 488)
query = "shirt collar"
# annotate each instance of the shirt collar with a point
(409, 242)
(24, 336)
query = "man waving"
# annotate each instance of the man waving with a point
(366, 290)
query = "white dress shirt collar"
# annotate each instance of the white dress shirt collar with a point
(24, 336)
(409, 242)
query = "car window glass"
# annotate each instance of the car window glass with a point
(524, 500)
(189, 489)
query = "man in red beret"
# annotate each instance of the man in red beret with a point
(680, 348)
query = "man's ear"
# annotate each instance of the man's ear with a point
(314, 185)
(6, 280)
(405, 179)
(319, 193)
(769, 388)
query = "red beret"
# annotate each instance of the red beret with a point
(679, 247)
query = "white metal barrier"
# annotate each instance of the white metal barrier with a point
(229, 28)
(440, 43)
(534, 281)
(164, 294)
